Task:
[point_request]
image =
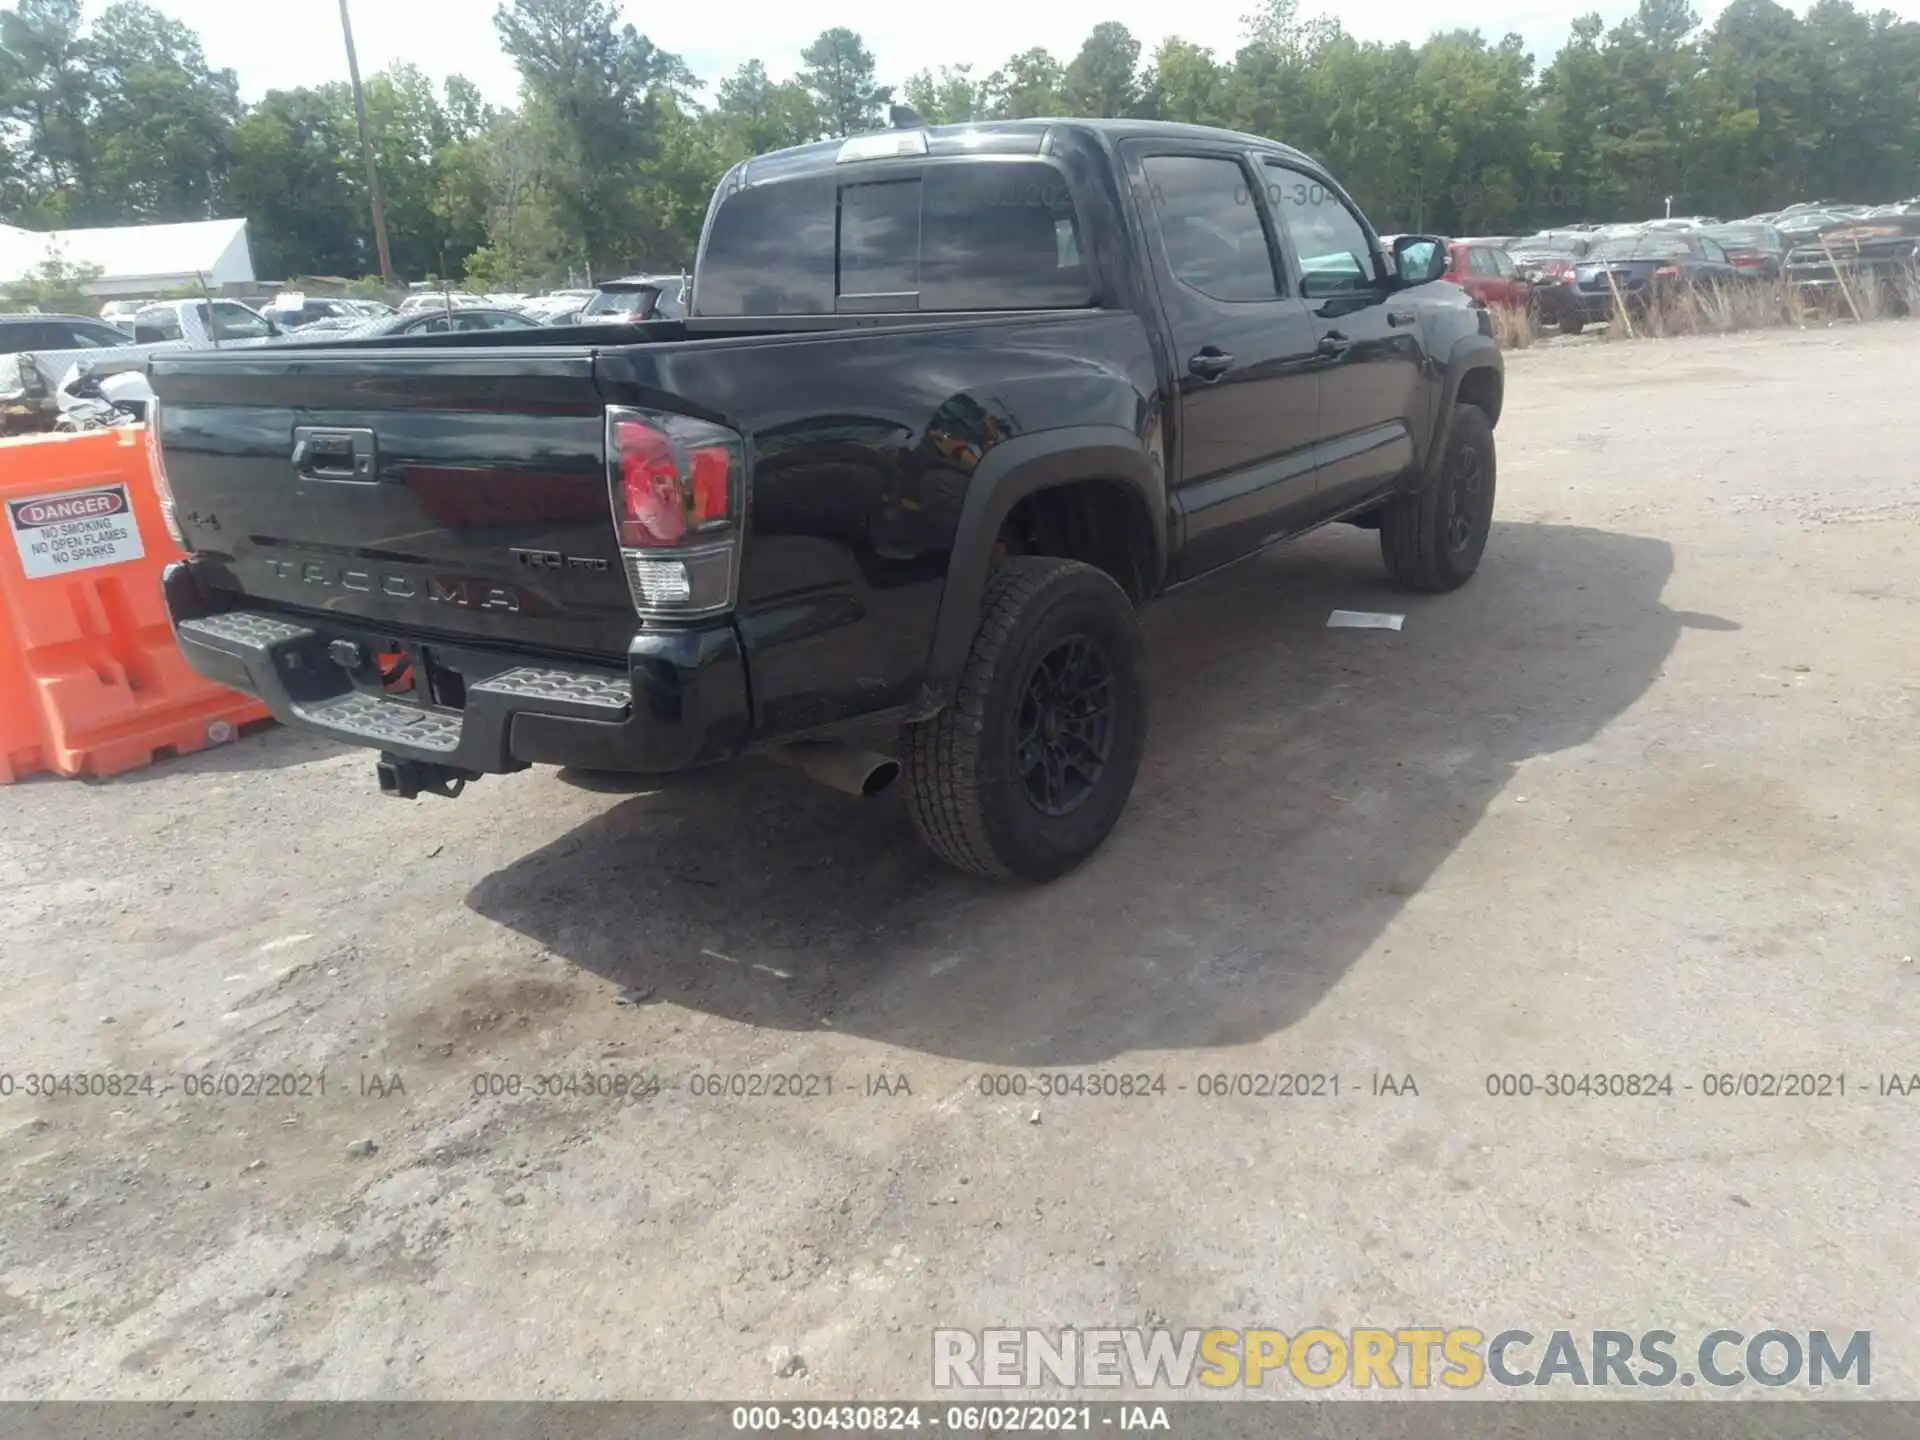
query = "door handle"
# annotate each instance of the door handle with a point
(1401, 317)
(1333, 345)
(1210, 364)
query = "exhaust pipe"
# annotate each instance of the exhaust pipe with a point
(860, 773)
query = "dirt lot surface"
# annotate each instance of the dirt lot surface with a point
(1641, 799)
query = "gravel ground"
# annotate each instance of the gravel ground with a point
(1642, 798)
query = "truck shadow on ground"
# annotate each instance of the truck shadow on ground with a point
(1300, 784)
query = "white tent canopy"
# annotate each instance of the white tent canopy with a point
(136, 259)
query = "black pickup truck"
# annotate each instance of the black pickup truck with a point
(947, 405)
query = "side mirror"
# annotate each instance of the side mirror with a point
(1419, 259)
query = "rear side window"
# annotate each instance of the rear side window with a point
(156, 325)
(1211, 229)
(236, 322)
(969, 235)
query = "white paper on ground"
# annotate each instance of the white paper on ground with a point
(1363, 620)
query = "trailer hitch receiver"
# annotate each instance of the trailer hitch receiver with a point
(408, 779)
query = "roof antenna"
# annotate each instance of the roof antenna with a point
(904, 117)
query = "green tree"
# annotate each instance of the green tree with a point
(1185, 83)
(756, 113)
(595, 91)
(953, 97)
(502, 176)
(54, 285)
(297, 178)
(1279, 26)
(162, 126)
(466, 110)
(47, 97)
(1026, 87)
(1104, 78)
(838, 72)
(1279, 84)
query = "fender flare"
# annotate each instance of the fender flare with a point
(1006, 475)
(1469, 353)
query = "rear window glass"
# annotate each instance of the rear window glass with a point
(1641, 247)
(1755, 236)
(960, 236)
(1550, 245)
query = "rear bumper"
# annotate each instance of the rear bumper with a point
(1592, 307)
(680, 702)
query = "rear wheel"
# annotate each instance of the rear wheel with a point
(1433, 539)
(1026, 773)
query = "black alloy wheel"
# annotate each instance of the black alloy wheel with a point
(1466, 497)
(1064, 735)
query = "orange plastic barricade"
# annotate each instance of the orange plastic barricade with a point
(91, 682)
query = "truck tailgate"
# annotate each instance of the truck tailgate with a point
(462, 494)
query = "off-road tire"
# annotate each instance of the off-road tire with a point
(964, 785)
(1421, 534)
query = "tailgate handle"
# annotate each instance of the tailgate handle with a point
(320, 453)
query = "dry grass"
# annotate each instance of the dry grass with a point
(1722, 310)
(1512, 329)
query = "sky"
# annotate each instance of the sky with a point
(301, 44)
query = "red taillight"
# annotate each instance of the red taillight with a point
(1749, 262)
(157, 468)
(653, 510)
(1666, 272)
(712, 467)
(678, 491)
(666, 490)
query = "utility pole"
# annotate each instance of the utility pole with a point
(366, 147)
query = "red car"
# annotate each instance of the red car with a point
(1485, 270)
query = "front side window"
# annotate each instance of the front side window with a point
(1210, 228)
(1336, 258)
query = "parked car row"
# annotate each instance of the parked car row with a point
(1820, 249)
(40, 354)
(1573, 278)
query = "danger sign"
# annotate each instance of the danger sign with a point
(58, 534)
